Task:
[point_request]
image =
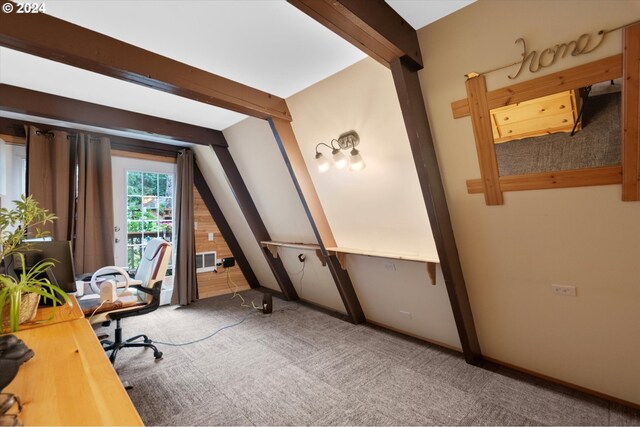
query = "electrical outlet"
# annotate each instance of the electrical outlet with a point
(211, 237)
(195, 225)
(390, 266)
(568, 291)
(406, 314)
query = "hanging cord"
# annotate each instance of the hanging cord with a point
(236, 294)
(249, 314)
(97, 308)
(299, 291)
(243, 303)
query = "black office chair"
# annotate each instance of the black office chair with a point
(148, 285)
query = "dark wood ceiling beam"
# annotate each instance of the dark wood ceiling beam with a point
(371, 25)
(52, 38)
(351, 18)
(414, 113)
(40, 104)
(251, 214)
(286, 139)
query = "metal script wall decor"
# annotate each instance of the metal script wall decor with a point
(550, 55)
(584, 44)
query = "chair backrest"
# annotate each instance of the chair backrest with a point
(154, 262)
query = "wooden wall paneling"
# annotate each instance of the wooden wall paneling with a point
(57, 40)
(225, 230)
(560, 179)
(415, 117)
(13, 140)
(573, 78)
(213, 283)
(372, 25)
(254, 220)
(40, 104)
(631, 115)
(143, 156)
(481, 120)
(290, 150)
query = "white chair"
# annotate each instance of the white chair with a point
(148, 285)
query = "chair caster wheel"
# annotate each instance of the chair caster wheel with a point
(157, 355)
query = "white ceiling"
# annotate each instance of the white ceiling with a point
(419, 13)
(266, 44)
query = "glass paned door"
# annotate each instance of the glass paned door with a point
(143, 197)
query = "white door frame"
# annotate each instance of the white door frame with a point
(120, 166)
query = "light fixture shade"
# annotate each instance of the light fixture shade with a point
(339, 159)
(355, 161)
(323, 163)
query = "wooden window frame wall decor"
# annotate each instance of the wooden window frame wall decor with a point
(479, 102)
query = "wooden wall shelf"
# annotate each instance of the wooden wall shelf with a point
(430, 262)
(273, 248)
(341, 253)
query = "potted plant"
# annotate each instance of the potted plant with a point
(21, 292)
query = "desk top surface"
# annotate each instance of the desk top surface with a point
(64, 313)
(70, 380)
(48, 316)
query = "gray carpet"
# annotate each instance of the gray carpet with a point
(597, 145)
(302, 366)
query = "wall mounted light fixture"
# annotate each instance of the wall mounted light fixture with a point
(348, 140)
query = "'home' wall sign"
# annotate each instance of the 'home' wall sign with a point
(550, 55)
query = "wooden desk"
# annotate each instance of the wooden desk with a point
(70, 380)
(63, 313)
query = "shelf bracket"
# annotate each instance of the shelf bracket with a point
(431, 269)
(321, 257)
(273, 249)
(342, 259)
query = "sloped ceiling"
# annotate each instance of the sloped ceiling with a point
(266, 44)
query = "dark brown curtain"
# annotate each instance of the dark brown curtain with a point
(71, 177)
(185, 286)
(94, 222)
(51, 177)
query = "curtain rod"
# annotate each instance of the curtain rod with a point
(157, 148)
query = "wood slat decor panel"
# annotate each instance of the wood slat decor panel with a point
(631, 115)
(573, 78)
(560, 179)
(481, 120)
(211, 283)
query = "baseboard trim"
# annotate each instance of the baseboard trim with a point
(418, 337)
(334, 313)
(563, 383)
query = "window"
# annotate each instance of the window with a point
(149, 211)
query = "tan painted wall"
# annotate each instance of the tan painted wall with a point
(511, 254)
(380, 208)
(255, 152)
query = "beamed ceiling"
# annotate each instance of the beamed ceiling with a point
(268, 45)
